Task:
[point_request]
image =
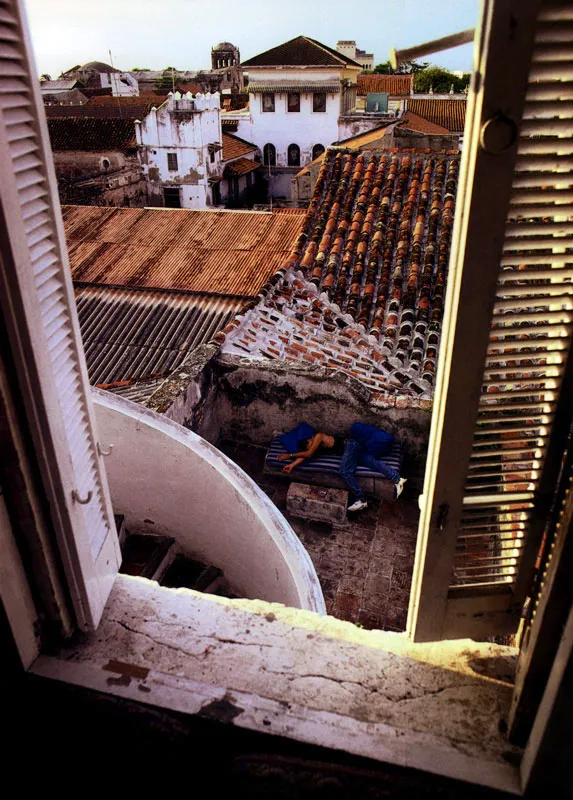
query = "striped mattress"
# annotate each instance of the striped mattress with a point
(329, 464)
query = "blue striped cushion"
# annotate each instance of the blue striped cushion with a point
(325, 463)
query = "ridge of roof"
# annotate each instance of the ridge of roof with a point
(295, 52)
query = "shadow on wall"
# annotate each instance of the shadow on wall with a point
(228, 397)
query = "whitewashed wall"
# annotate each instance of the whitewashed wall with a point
(184, 125)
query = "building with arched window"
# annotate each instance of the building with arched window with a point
(297, 93)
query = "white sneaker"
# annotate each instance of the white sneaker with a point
(358, 505)
(399, 487)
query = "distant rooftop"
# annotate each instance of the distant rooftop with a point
(449, 113)
(394, 85)
(300, 51)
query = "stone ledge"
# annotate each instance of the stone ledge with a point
(293, 673)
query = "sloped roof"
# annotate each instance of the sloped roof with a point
(241, 166)
(109, 107)
(210, 252)
(394, 85)
(416, 123)
(363, 288)
(302, 51)
(57, 86)
(83, 133)
(450, 114)
(366, 140)
(133, 335)
(235, 147)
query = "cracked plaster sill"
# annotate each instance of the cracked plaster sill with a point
(293, 673)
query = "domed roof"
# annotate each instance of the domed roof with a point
(225, 46)
(99, 66)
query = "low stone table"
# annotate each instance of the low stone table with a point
(317, 502)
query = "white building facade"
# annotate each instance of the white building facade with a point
(180, 149)
(348, 48)
(297, 93)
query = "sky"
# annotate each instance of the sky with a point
(180, 33)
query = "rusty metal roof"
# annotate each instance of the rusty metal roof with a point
(394, 85)
(211, 252)
(235, 147)
(449, 113)
(140, 335)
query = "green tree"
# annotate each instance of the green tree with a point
(439, 80)
(168, 79)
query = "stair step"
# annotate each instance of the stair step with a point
(183, 573)
(209, 580)
(145, 554)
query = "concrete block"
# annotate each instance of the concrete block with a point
(316, 502)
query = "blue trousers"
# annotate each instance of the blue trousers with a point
(354, 456)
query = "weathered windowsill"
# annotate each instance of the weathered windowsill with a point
(297, 674)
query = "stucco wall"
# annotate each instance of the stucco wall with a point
(184, 126)
(109, 177)
(165, 479)
(255, 399)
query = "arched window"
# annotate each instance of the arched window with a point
(293, 155)
(269, 155)
(317, 151)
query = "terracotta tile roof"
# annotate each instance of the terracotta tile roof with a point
(363, 287)
(394, 85)
(300, 51)
(78, 133)
(241, 166)
(450, 114)
(210, 252)
(134, 335)
(234, 147)
(126, 102)
(415, 123)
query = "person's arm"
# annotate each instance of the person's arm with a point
(300, 457)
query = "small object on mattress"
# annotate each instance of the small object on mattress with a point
(329, 464)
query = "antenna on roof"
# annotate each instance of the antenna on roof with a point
(111, 63)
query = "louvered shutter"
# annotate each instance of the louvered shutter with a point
(39, 311)
(504, 388)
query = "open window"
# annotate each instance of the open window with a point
(43, 338)
(504, 380)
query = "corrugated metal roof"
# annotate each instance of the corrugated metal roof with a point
(218, 253)
(86, 133)
(241, 166)
(451, 114)
(235, 147)
(136, 335)
(271, 86)
(394, 85)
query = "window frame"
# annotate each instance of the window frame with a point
(288, 103)
(171, 160)
(266, 97)
(317, 155)
(315, 96)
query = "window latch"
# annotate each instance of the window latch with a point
(442, 516)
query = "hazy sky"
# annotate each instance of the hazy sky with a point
(180, 33)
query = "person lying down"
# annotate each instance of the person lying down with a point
(365, 446)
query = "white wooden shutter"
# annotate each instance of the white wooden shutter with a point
(39, 310)
(504, 384)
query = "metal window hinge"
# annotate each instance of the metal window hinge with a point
(442, 516)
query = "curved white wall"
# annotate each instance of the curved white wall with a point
(166, 479)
